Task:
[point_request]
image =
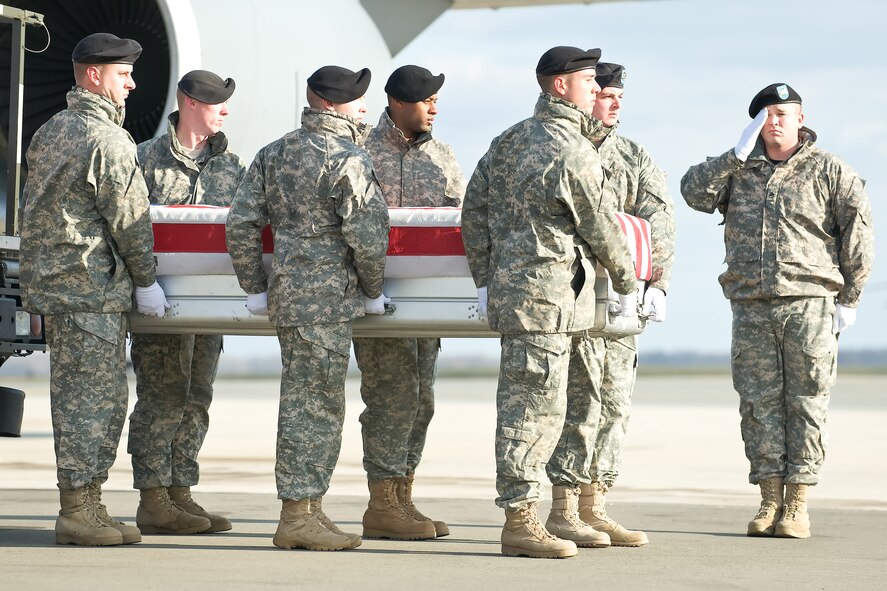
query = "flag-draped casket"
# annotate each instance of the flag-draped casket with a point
(426, 276)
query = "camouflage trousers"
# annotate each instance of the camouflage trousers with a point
(397, 386)
(784, 357)
(620, 365)
(312, 407)
(571, 461)
(531, 404)
(88, 393)
(174, 386)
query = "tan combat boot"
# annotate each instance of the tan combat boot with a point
(300, 528)
(78, 524)
(795, 522)
(158, 514)
(405, 496)
(592, 498)
(564, 521)
(130, 533)
(770, 512)
(386, 518)
(181, 496)
(523, 535)
(317, 509)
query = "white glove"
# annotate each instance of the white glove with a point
(627, 306)
(151, 301)
(482, 302)
(749, 136)
(375, 305)
(654, 304)
(257, 303)
(845, 316)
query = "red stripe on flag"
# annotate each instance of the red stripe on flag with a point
(638, 248)
(198, 238)
(425, 241)
(402, 240)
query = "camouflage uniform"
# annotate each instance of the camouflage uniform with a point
(593, 445)
(175, 373)
(86, 239)
(798, 234)
(531, 223)
(317, 189)
(397, 375)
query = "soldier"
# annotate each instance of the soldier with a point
(531, 223)
(589, 453)
(316, 187)
(189, 164)
(799, 249)
(86, 240)
(397, 375)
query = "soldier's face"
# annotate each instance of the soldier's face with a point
(579, 88)
(356, 109)
(211, 117)
(782, 125)
(415, 118)
(114, 81)
(608, 105)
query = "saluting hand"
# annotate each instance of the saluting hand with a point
(749, 136)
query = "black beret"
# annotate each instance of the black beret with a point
(412, 84)
(339, 85)
(775, 94)
(610, 75)
(105, 48)
(563, 60)
(206, 87)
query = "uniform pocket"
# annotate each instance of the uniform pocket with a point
(532, 360)
(330, 349)
(820, 365)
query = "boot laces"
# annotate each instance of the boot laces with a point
(95, 508)
(393, 502)
(598, 508)
(317, 511)
(166, 501)
(765, 509)
(792, 504)
(792, 511)
(406, 501)
(188, 500)
(530, 518)
(571, 511)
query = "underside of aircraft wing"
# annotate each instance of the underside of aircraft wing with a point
(401, 22)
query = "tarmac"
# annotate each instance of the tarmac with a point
(684, 484)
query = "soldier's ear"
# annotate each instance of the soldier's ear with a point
(559, 84)
(94, 75)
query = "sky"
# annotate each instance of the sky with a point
(693, 67)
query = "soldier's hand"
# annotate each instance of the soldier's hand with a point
(845, 316)
(151, 301)
(749, 136)
(257, 303)
(627, 305)
(375, 306)
(482, 302)
(654, 304)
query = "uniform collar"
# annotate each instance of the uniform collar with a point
(81, 99)
(217, 143)
(318, 121)
(387, 126)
